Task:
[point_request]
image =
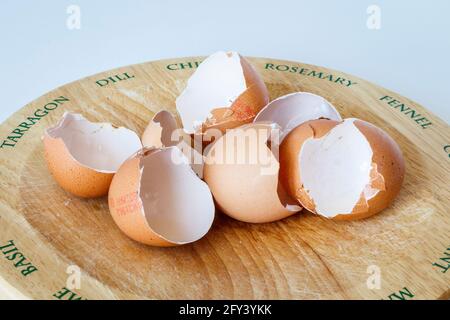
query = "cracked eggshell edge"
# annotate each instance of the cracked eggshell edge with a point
(72, 175)
(127, 207)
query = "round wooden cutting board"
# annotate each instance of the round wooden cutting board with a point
(56, 246)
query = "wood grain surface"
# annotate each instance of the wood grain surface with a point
(406, 247)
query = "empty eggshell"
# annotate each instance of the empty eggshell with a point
(291, 110)
(156, 199)
(159, 131)
(341, 170)
(83, 156)
(242, 173)
(224, 92)
(164, 131)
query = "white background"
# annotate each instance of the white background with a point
(408, 55)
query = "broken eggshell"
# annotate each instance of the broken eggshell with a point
(159, 131)
(156, 199)
(293, 109)
(224, 92)
(242, 174)
(83, 156)
(164, 131)
(342, 170)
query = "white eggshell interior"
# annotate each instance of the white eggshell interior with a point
(216, 83)
(335, 169)
(293, 109)
(178, 205)
(98, 146)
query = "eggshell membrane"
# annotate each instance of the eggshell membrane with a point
(242, 190)
(158, 202)
(386, 174)
(291, 110)
(70, 167)
(222, 72)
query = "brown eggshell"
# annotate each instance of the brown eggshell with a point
(224, 106)
(241, 190)
(126, 207)
(159, 131)
(390, 164)
(156, 199)
(71, 175)
(387, 172)
(245, 107)
(83, 156)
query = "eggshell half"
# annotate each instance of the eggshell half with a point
(83, 156)
(164, 131)
(291, 110)
(159, 131)
(242, 173)
(156, 199)
(224, 92)
(341, 170)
